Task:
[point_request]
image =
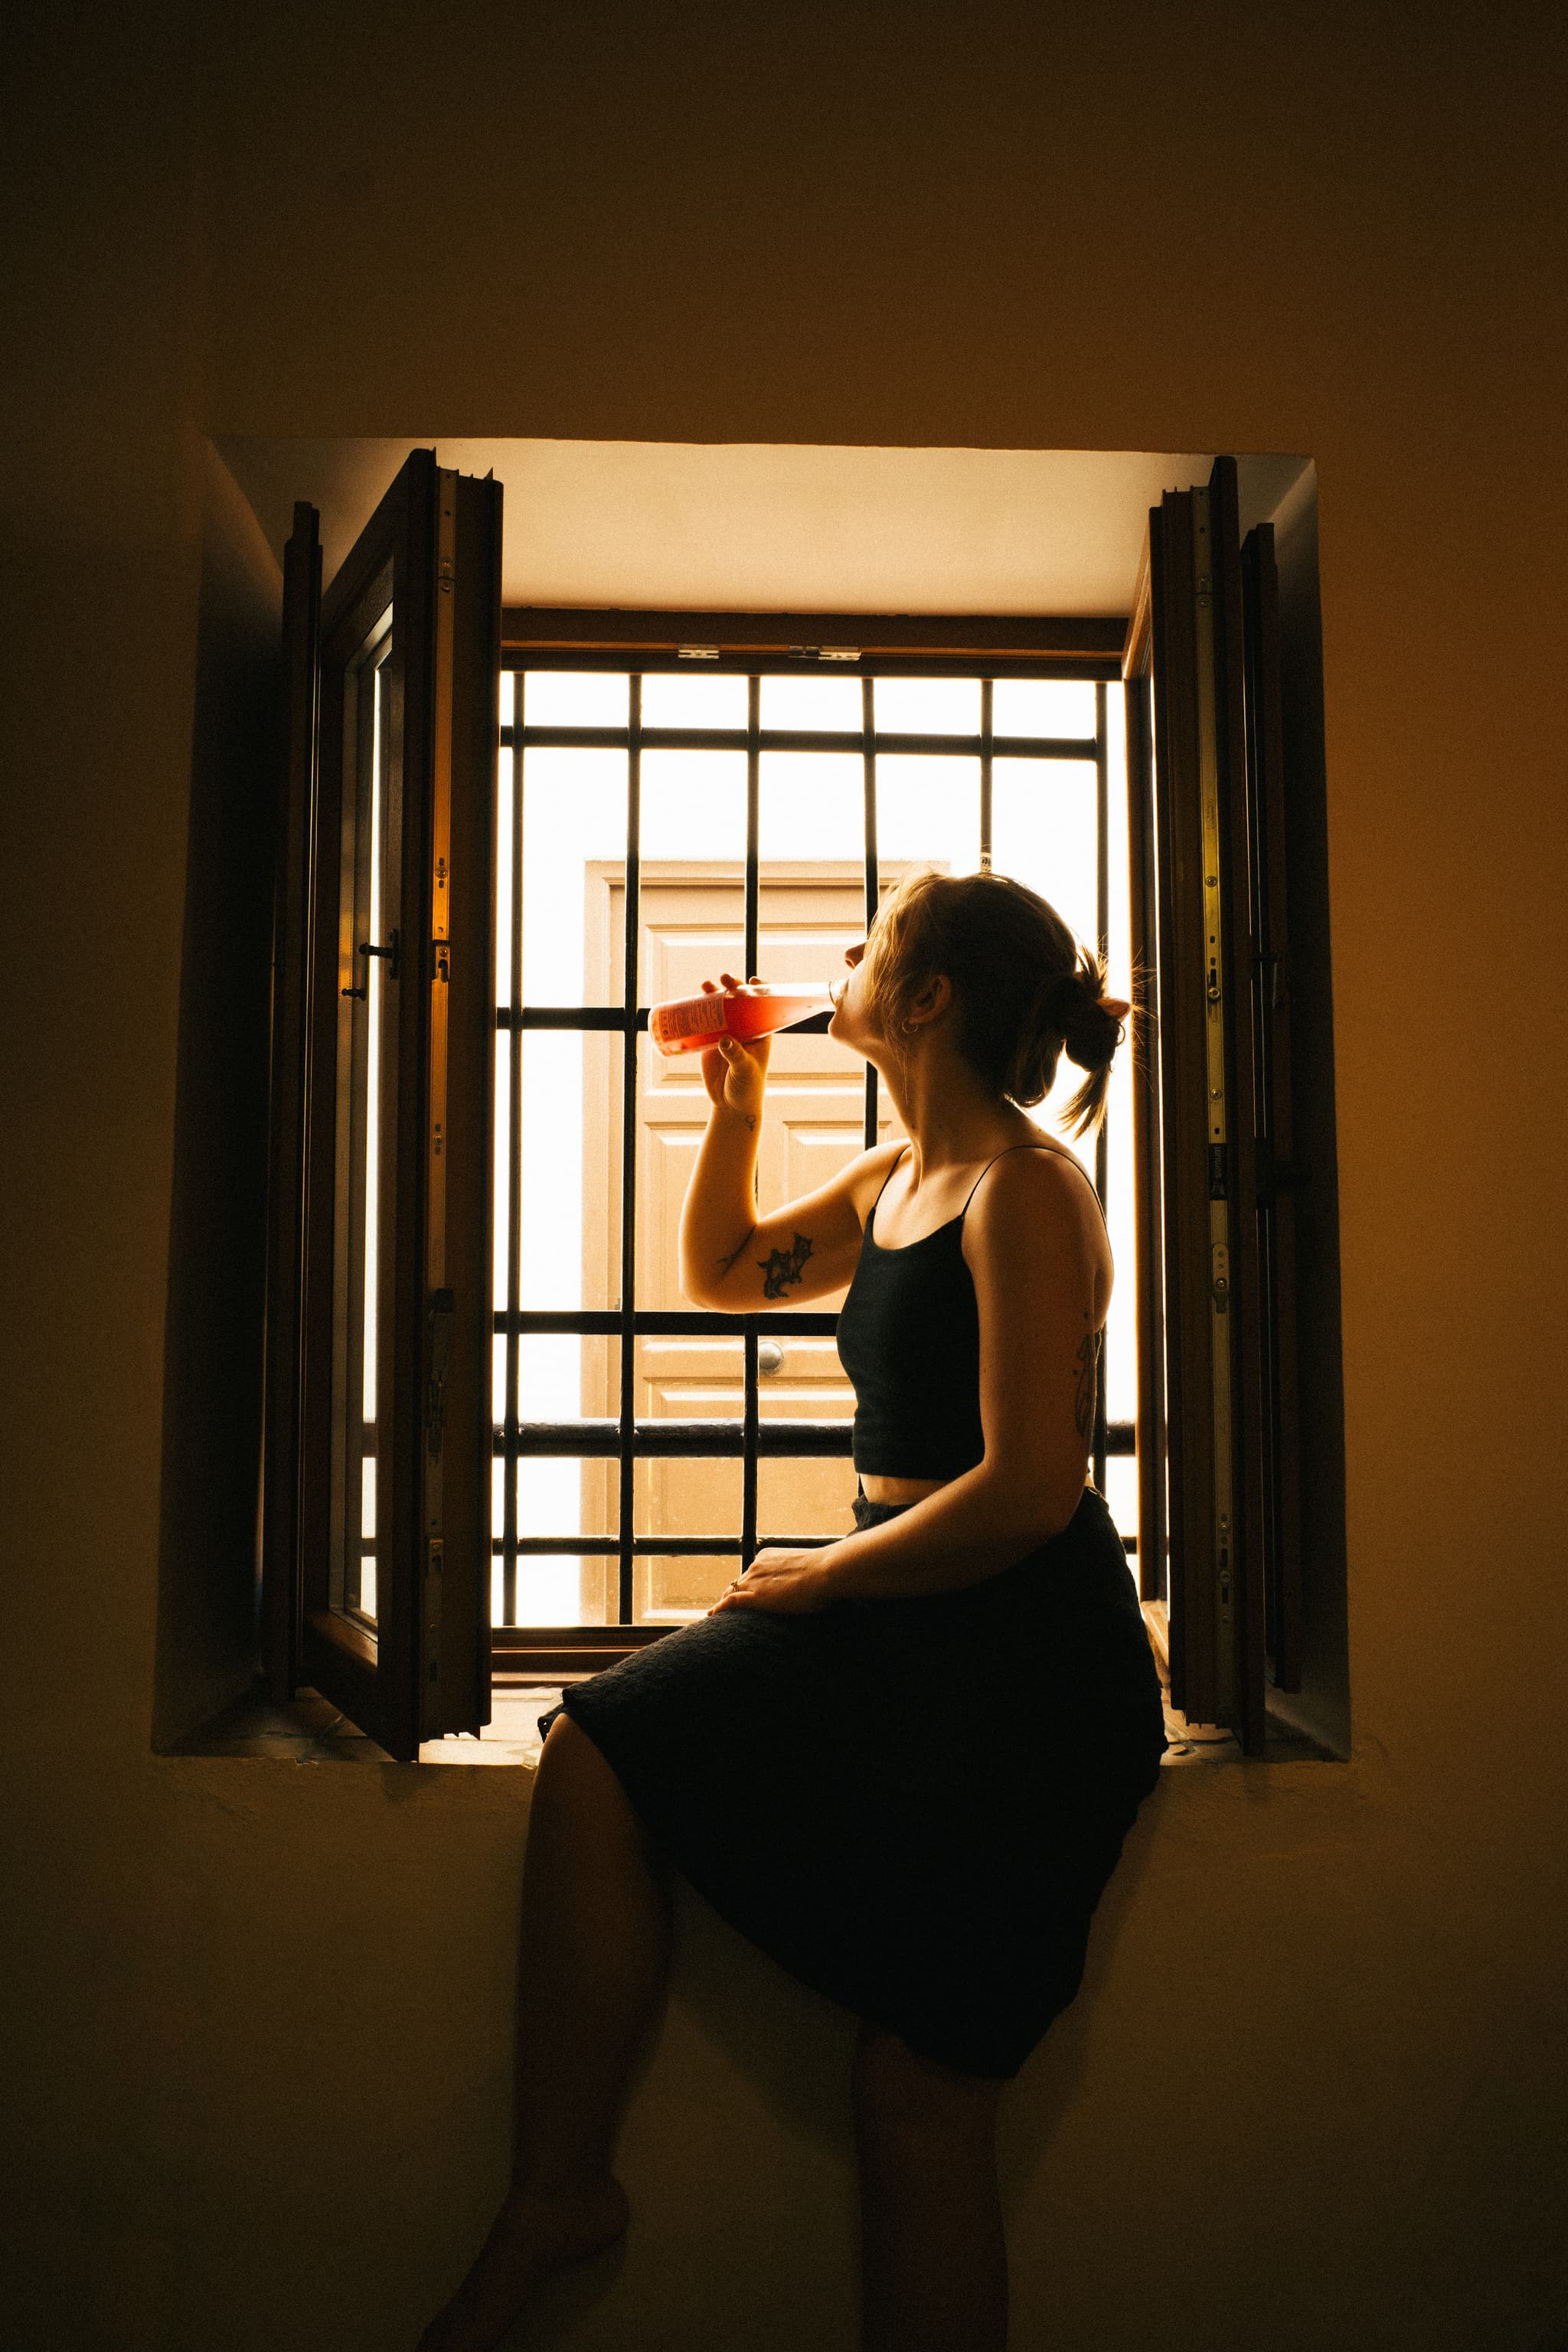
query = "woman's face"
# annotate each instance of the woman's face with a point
(850, 1023)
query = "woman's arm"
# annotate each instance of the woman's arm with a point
(1037, 1251)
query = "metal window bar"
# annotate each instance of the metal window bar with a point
(625, 1437)
(514, 1163)
(1102, 1141)
(873, 886)
(631, 967)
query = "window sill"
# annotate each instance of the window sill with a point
(311, 1731)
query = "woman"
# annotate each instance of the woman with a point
(902, 1763)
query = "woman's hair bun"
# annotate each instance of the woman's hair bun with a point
(1090, 1030)
(1063, 1003)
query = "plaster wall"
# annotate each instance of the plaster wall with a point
(258, 2017)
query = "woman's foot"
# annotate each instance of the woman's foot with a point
(534, 2237)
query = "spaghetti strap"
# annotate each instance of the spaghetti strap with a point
(991, 1163)
(1031, 1147)
(882, 1188)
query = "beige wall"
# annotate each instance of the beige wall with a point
(258, 2015)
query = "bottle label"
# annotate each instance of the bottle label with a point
(701, 1016)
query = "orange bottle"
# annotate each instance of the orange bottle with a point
(688, 1024)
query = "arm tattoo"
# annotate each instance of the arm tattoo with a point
(781, 1267)
(1087, 1382)
(726, 1263)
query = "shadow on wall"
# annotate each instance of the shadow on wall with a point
(206, 1649)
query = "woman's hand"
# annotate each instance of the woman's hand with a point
(790, 1583)
(735, 1073)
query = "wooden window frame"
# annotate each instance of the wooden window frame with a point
(1198, 665)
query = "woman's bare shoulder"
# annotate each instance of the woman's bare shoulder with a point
(1042, 1180)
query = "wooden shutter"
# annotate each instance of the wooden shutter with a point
(1215, 1488)
(293, 838)
(1277, 1171)
(382, 1060)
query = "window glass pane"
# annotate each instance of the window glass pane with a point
(928, 808)
(1042, 705)
(1121, 1333)
(573, 857)
(562, 1497)
(507, 696)
(811, 805)
(500, 1228)
(814, 703)
(369, 976)
(686, 698)
(689, 1494)
(504, 847)
(694, 804)
(549, 1495)
(575, 697)
(1121, 1494)
(568, 1376)
(806, 1497)
(1043, 834)
(567, 1495)
(675, 1589)
(570, 1170)
(553, 1588)
(365, 1110)
(927, 706)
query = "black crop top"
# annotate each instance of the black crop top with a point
(909, 1339)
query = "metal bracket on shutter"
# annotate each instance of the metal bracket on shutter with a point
(439, 1319)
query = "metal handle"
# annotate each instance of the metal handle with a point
(770, 1356)
(366, 949)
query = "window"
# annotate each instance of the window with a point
(498, 1442)
(662, 816)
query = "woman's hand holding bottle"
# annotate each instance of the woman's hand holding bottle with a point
(735, 1073)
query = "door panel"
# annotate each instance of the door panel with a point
(814, 1125)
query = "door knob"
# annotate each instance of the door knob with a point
(770, 1356)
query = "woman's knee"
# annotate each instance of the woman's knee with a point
(576, 1785)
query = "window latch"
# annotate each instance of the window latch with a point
(366, 949)
(440, 1335)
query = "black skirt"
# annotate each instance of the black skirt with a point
(914, 1805)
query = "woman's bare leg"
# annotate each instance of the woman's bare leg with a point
(933, 2255)
(593, 1953)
